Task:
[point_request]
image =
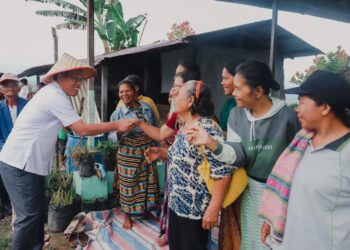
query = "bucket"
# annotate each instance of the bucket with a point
(74, 141)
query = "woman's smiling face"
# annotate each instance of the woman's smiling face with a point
(127, 94)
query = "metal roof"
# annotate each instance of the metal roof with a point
(332, 9)
(257, 36)
(250, 36)
(156, 46)
(37, 70)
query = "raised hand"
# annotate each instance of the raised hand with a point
(197, 136)
(124, 125)
(154, 153)
(136, 122)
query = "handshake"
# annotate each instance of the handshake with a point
(126, 125)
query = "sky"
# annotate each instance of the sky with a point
(26, 38)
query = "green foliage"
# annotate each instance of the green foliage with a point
(107, 148)
(59, 186)
(333, 61)
(113, 30)
(293, 106)
(5, 243)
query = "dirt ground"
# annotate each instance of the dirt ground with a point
(57, 240)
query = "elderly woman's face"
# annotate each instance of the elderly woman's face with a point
(71, 83)
(309, 113)
(10, 88)
(183, 101)
(127, 94)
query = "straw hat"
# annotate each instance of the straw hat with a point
(68, 63)
(8, 77)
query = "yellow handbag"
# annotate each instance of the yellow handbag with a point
(237, 185)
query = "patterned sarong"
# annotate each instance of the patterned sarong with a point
(138, 181)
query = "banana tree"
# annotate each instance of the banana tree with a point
(113, 30)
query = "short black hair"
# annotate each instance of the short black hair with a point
(190, 65)
(258, 74)
(231, 65)
(190, 75)
(135, 80)
(130, 84)
(24, 81)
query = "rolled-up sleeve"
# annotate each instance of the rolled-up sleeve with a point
(218, 168)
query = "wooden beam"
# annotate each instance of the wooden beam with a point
(104, 92)
(273, 34)
(91, 55)
(55, 44)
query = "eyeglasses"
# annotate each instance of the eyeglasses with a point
(76, 78)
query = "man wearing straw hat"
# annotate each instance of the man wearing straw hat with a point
(25, 157)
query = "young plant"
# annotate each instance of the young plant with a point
(107, 148)
(59, 186)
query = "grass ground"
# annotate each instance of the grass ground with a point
(57, 241)
(5, 233)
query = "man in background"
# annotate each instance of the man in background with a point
(10, 107)
(24, 89)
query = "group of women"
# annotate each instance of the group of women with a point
(298, 166)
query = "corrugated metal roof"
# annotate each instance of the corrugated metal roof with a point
(37, 70)
(257, 36)
(332, 9)
(160, 45)
(253, 36)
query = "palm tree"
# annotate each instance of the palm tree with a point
(113, 30)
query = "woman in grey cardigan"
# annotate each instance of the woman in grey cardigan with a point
(258, 130)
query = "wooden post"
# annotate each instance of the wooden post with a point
(104, 90)
(278, 94)
(273, 33)
(55, 159)
(91, 55)
(55, 43)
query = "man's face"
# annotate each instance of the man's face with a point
(71, 84)
(10, 88)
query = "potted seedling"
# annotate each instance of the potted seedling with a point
(108, 151)
(84, 158)
(59, 187)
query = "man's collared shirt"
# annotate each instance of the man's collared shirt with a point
(31, 144)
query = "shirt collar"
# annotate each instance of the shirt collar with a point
(127, 110)
(336, 145)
